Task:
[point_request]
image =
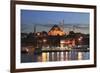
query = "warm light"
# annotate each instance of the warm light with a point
(79, 55)
(44, 40)
(38, 33)
(44, 57)
(80, 38)
(56, 31)
(27, 50)
(62, 41)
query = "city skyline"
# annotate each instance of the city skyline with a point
(54, 36)
(31, 18)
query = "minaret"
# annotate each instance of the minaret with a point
(34, 29)
(62, 24)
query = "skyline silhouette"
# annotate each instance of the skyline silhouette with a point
(31, 18)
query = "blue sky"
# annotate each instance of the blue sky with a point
(29, 18)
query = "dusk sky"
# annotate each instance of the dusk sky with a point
(29, 18)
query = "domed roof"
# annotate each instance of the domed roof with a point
(56, 30)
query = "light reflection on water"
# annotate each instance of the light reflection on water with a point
(54, 56)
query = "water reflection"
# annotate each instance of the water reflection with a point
(54, 56)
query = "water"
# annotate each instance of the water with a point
(54, 56)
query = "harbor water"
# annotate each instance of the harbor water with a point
(55, 56)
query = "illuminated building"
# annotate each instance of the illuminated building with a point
(56, 31)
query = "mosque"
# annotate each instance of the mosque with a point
(56, 31)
